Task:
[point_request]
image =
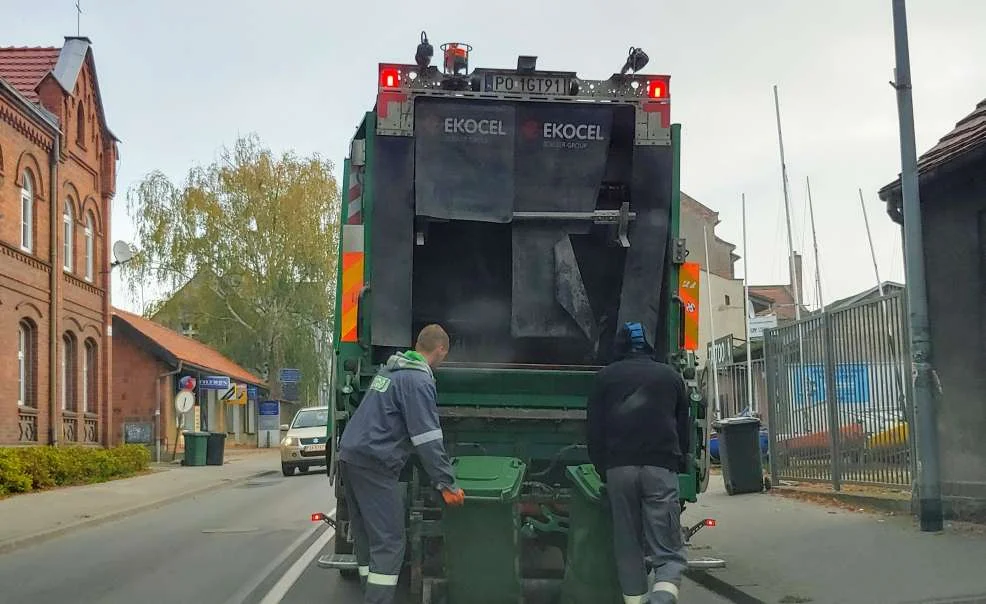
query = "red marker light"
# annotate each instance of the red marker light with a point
(389, 77)
(318, 517)
(710, 522)
(657, 89)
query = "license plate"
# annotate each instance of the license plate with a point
(524, 84)
(314, 448)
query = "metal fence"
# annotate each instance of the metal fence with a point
(859, 353)
(734, 396)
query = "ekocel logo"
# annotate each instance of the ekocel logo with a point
(461, 125)
(563, 135)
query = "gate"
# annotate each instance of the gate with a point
(839, 396)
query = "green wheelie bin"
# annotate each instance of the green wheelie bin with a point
(195, 448)
(590, 569)
(482, 543)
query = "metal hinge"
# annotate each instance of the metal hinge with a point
(679, 253)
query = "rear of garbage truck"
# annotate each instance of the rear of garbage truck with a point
(529, 213)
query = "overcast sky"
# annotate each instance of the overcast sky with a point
(179, 79)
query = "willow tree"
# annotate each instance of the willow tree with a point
(250, 243)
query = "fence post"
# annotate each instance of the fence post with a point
(832, 401)
(770, 365)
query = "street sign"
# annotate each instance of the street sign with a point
(253, 392)
(214, 382)
(758, 325)
(290, 391)
(721, 350)
(269, 413)
(184, 401)
(688, 280)
(236, 395)
(288, 376)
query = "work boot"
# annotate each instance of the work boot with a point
(663, 592)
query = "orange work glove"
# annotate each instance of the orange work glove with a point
(454, 497)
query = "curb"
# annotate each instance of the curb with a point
(20, 542)
(885, 504)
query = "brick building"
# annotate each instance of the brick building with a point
(156, 360)
(57, 180)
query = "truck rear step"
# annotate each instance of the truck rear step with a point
(338, 561)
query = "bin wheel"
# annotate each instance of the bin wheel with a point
(729, 487)
(287, 470)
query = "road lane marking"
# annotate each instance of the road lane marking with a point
(240, 596)
(287, 581)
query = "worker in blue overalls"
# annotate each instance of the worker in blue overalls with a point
(638, 441)
(398, 416)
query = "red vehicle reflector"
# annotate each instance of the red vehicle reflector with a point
(389, 78)
(657, 89)
(710, 522)
(318, 517)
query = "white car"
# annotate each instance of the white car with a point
(304, 444)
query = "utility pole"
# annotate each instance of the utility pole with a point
(712, 328)
(927, 466)
(746, 313)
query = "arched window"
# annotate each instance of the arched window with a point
(68, 373)
(68, 220)
(27, 212)
(27, 358)
(90, 384)
(80, 125)
(90, 235)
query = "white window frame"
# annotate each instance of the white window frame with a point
(90, 236)
(22, 343)
(85, 379)
(68, 216)
(27, 212)
(65, 345)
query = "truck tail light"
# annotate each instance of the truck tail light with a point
(657, 89)
(389, 77)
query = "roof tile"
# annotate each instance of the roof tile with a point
(186, 349)
(25, 67)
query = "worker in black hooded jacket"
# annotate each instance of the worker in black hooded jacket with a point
(638, 441)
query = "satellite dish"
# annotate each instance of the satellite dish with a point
(184, 401)
(122, 252)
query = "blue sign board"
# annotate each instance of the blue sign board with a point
(270, 415)
(290, 375)
(852, 383)
(290, 391)
(253, 393)
(214, 382)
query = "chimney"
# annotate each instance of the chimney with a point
(799, 295)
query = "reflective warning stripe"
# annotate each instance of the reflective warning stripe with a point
(354, 207)
(634, 599)
(352, 279)
(688, 280)
(666, 586)
(426, 437)
(364, 571)
(378, 579)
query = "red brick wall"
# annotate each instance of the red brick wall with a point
(135, 385)
(86, 177)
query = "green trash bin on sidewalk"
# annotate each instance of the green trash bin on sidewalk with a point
(482, 537)
(195, 448)
(590, 569)
(215, 449)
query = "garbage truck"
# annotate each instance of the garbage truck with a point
(529, 212)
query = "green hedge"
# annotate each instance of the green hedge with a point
(24, 469)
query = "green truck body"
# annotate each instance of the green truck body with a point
(455, 189)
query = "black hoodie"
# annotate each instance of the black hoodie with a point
(638, 416)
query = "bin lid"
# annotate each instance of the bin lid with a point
(587, 480)
(487, 476)
(737, 421)
(192, 433)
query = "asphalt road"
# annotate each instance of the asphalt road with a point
(252, 543)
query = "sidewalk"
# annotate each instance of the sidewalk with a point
(782, 549)
(38, 516)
